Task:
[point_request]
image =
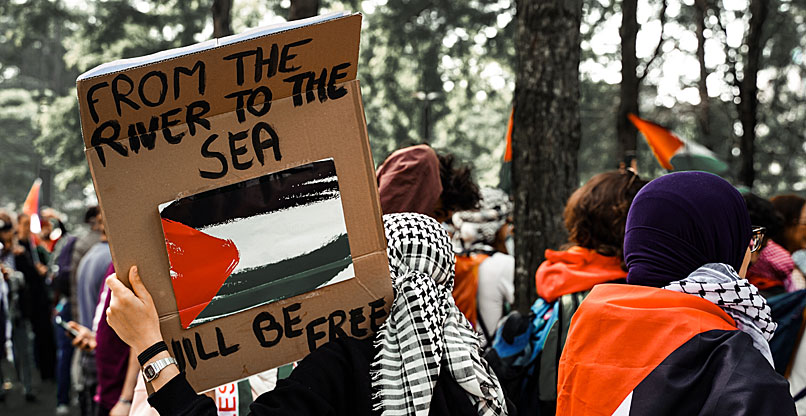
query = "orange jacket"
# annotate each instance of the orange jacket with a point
(466, 284)
(575, 270)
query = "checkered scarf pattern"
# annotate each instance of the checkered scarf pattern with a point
(719, 284)
(425, 331)
(476, 230)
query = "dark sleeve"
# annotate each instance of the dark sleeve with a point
(177, 398)
(717, 372)
(333, 380)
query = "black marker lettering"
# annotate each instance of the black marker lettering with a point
(270, 63)
(222, 346)
(139, 134)
(356, 317)
(313, 334)
(99, 138)
(239, 63)
(335, 75)
(335, 321)
(235, 151)
(289, 321)
(376, 313)
(260, 330)
(166, 123)
(200, 348)
(285, 57)
(250, 103)
(91, 100)
(239, 103)
(163, 79)
(182, 70)
(296, 90)
(205, 151)
(189, 352)
(192, 117)
(122, 97)
(273, 141)
(178, 355)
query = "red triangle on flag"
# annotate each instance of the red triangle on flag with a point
(200, 264)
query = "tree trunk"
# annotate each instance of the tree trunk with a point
(300, 9)
(703, 117)
(627, 133)
(546, 132)
(222, 16)
(748, 98)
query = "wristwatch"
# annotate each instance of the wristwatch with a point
(152, 371)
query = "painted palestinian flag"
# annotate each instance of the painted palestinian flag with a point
(255, 242)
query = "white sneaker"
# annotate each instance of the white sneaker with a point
(62, 409)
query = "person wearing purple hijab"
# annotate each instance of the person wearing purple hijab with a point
(680, 222)
(688, 334)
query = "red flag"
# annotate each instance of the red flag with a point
(664, 143)
(31, 207)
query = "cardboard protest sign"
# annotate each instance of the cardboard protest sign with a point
(237, 175)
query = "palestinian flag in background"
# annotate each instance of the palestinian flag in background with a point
(255, 242)
(675, 154)
(505, 175)
(31, 208)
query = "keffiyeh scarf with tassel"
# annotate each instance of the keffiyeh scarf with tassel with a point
(719, 284)
(425, 331)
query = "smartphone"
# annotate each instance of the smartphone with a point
(59, 321)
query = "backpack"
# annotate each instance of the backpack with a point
(515, 352)
(525, 353)
(787, 310)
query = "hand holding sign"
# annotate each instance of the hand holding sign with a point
(132, 314)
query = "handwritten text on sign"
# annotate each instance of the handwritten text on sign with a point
(269, 330)
(254, 134)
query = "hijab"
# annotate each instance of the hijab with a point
(425, 332)
(682, 221)
(409, 181)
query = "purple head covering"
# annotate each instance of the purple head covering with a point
(680, 222)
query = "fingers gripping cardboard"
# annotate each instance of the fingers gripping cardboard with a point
(259, 141)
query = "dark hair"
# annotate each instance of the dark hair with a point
(91, 213)
(459, 192)
(789, 206)
(763, 213)
(596, 213)
(6, 222)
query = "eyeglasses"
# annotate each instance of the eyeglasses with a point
(757, 238)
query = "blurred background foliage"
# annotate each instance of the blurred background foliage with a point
(436, 71)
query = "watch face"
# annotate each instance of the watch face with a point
(149, 372)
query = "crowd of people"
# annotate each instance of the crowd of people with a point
(679, 295)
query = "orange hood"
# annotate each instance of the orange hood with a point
(573, 271)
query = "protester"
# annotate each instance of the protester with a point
(688, 335)
(416, 179)
(771, 266)
(92, 217)
(485, 271)
(793, 209)
(20, 274)
(38, 298)
(442, 372)
(89, 280)
(116, 368)
(594, 217)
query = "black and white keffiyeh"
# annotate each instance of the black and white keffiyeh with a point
(476, 229)
(719, 284)
(425, 330)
